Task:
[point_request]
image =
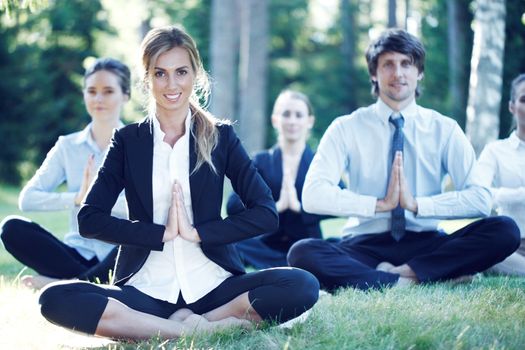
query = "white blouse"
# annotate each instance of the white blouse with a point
(502, 167)
(181, 266)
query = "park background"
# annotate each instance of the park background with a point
(253, 49)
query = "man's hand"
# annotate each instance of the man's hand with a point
(406, 199)
(393, 191)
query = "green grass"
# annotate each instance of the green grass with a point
(56, 222)
(486, 314)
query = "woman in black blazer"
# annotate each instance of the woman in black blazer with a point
(283, 168)
(177, 271)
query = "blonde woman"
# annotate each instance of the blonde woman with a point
(177, 271)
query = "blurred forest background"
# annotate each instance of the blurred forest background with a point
(253, 49)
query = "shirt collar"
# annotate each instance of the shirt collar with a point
(515, 141)
(158, 134)
(85, 136)
(384, 112)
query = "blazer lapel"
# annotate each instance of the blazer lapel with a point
(140, 160)
(276, 171)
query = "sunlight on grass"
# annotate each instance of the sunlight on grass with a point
(23, 327)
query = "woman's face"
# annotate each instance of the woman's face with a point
(103, 96)
(171, 81)
(517, 108)
(291, 119)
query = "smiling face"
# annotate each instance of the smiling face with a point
(291, 119)
(397, 78)
(517, 107)
(103, 96)
(171, 81)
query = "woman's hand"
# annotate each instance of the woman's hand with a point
(293, 200)
(87, 178)
(288, 196)
(186, 230)
(172, 225)
(282, 204)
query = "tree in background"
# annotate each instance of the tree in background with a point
(486, 74)
(40, 60)
(514, 59)
(459, 39)
(253, 77)
(224, 49)
(42, 55)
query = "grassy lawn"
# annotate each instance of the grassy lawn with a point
(488, 313)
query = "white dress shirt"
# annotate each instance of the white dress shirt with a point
(360, 145)
(66, 162)
(181, 266)
(502, 168)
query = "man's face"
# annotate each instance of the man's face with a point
(397, 78)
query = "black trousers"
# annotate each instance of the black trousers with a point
(40, 250)
(278, 294)
(434, 256)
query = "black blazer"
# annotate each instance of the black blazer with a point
(128, 165)
(292, 226)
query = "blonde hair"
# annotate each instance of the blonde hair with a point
(160, 40)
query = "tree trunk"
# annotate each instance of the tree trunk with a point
(392, 21)
(253, 74)
(407, 13)
(224, 49)
(486, 73)
(457, 88)
(348, 52)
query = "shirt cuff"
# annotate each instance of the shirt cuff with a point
(366, 206)
(425, 207)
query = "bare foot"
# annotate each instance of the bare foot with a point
(198, 324)
(384, 266)
(404, 282)
(404, 271)
(407, 276)
(180, 315)
(232, 322)
(37, 282)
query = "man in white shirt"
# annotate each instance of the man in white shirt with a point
(396, 155)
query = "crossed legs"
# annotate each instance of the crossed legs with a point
(274, 295)
(422, 256)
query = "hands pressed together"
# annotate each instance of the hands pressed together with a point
(178, 223)
(288, 197)
(87, 177)
(398, 191)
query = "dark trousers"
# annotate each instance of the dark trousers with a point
(40, 250)
(276, 294)
(255, 252)
(434, 256)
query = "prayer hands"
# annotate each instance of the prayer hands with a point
(178, 222)
(288, 198)
(87, 178)
(398, 191)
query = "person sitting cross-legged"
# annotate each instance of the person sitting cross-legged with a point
(396, 154)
